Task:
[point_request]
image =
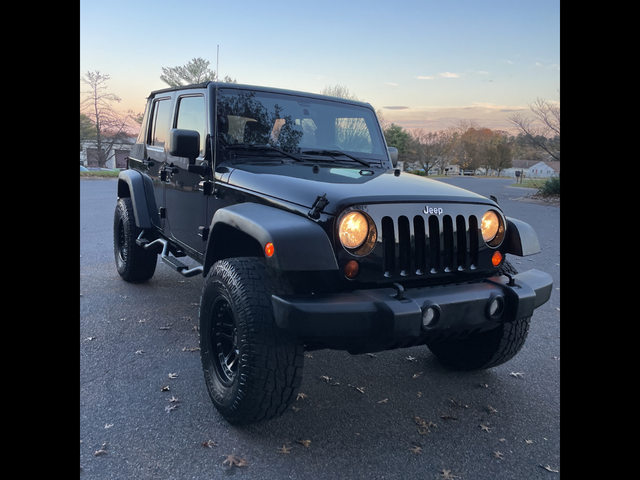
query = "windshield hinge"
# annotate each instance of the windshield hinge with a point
(318, 206)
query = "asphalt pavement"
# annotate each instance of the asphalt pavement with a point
(145, 412)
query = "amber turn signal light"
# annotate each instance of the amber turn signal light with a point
(269, 249)
(496, 259)
(351, 269)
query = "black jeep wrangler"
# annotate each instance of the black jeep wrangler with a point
(308, 237)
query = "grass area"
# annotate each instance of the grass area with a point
(99, 174)
(531, 183)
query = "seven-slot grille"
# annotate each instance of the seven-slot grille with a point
(424, 245)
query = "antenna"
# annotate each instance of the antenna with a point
(217, 68)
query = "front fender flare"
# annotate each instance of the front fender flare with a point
(521, 238)
(300, 244)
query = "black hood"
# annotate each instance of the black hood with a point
(301, 184)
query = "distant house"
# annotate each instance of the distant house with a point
(544, 170)
(117, 156)
(533, 169)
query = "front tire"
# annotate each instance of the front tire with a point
(486, 349)
(252, 370)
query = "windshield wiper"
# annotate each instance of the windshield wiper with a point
(263, 147)
(334, 153)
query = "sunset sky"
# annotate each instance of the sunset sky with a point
(423, 63)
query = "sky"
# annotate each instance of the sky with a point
(422, 63)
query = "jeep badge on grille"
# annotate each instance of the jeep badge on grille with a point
(428, 211)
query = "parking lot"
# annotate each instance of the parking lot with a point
(145, 412)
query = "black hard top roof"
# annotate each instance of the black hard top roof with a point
(240, 86)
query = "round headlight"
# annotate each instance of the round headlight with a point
(492, 228)
(353, 230)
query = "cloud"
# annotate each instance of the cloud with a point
(396, 108)
(425, 78)
(449, 75)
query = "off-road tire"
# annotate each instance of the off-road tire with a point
(486, 349)
(133, 262)
(252, 369)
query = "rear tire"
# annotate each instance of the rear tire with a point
(252, 370)
(133, 262)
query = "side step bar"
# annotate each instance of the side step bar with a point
(173, 262)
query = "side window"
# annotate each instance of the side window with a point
(160, 122)
(191, 117)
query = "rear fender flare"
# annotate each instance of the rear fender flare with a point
(139, 188)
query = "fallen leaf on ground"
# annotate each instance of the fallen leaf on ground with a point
(416, 450)
(386, 400)
(306, 443)
(517, 374)
(234, 461)
(448, 475)
(173, 375)
(417, 375)
(549, 469)
(498, 455)
(485, 427)
(284, 449)
(209, 444)
(168, 408)
(302, 396)
(164, 388)
(491, 409)
(102, 450)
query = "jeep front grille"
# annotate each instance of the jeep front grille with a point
(425, 245)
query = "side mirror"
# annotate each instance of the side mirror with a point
(184, 143)
(393, 153)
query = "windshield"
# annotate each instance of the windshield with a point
(251, 123)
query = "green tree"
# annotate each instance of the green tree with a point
(397, 137)
(87, 129)
(195, 71)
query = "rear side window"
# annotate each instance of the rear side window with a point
(160, 122)
(191, 117)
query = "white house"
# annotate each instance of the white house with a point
(543, 170)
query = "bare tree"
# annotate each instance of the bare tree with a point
(111, 127)
(543, 130)
(430, 149)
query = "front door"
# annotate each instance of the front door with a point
(185, 202)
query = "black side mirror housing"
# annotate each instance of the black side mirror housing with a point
(393, 153)
(184, 143)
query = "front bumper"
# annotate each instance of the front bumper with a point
(387, 318)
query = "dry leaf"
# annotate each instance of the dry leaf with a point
(528, 442)
(306, 443)
(234, 461)
(108, 425)
(168, 408)
(164, 388)
(417, 375)
(301, 396)
(386, 400)
(325, 378)
(485, 427)
(416, 450)
(491, 409)
(209, 444)
(549, 469)
(448, 475)
(173, 375)
(498, 455)
(517, 374)
(102, 450)
(411, 359)
(284, 449)
(360, 389)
